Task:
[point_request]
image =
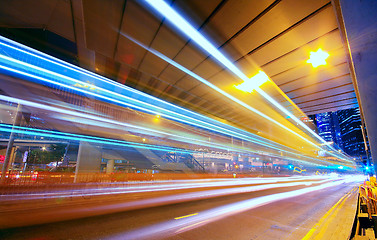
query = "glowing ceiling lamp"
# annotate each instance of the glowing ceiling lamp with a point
(318, 58)
(253, 82)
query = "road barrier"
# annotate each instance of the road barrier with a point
(366, 218)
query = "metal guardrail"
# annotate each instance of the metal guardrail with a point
(188, 159)
(366, 218)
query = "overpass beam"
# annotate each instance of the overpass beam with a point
(358, 22)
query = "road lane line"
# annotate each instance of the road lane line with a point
(186, 216)
(324, 219)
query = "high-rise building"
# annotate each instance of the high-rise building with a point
(336, 133)
(324, 125)
(350, 128)
(328, 128)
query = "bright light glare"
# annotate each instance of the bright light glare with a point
(254, 82)
(318, 58)
(185, 27)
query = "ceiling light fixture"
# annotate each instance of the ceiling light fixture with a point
(318, 58)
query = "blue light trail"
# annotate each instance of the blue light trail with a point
(48, 71)
(185, 27)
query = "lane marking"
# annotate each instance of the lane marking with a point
(324, 218)
(186, 216)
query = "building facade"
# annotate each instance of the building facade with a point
(343, 128)
(350, 127)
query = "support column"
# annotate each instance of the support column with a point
(358, 21)
(88, 161)
(10, 149)
(110, 166)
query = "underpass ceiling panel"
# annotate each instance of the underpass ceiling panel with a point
(196, 11)
(248, 66)
(278, 19)
(300, 36)
(167, 42)
(241, 12)
(60, 21)
(339, 106)
(346, 88)
(53, 15)
(201, 89)
(214, 98)
(187, 83)
(294, 65)
(101, 25)
(336, 71)
(319, 42)
(129, 53)
(225, 80)
(306, 83)
(38, 13)
(161, 86)
(323, 104)
(152, 64)
(139, 23)
(190, 57)
(332, 98)
(303, 71)
(320, 86)
(171, 74)
(207, 69)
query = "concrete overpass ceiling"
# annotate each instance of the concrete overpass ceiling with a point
(52, 15)
(275, 36)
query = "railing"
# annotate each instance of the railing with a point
(191, 162)
(188, 159)
(366, 219)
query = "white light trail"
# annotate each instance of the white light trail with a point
(173, 136)
(184, 26)
(161, 186)
(174, 227)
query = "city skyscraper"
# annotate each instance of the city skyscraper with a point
(343, 128)
(324, 125)
(328, 128)
(350, 128)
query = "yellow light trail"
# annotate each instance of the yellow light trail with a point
(186, 216)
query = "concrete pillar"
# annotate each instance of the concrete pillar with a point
(360, 24)
(10, 149)
(110, 166)
(88, 161)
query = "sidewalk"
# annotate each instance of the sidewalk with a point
(337, 223)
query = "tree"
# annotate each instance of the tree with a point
(53, 153)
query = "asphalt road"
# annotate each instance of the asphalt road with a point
(237, 216)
